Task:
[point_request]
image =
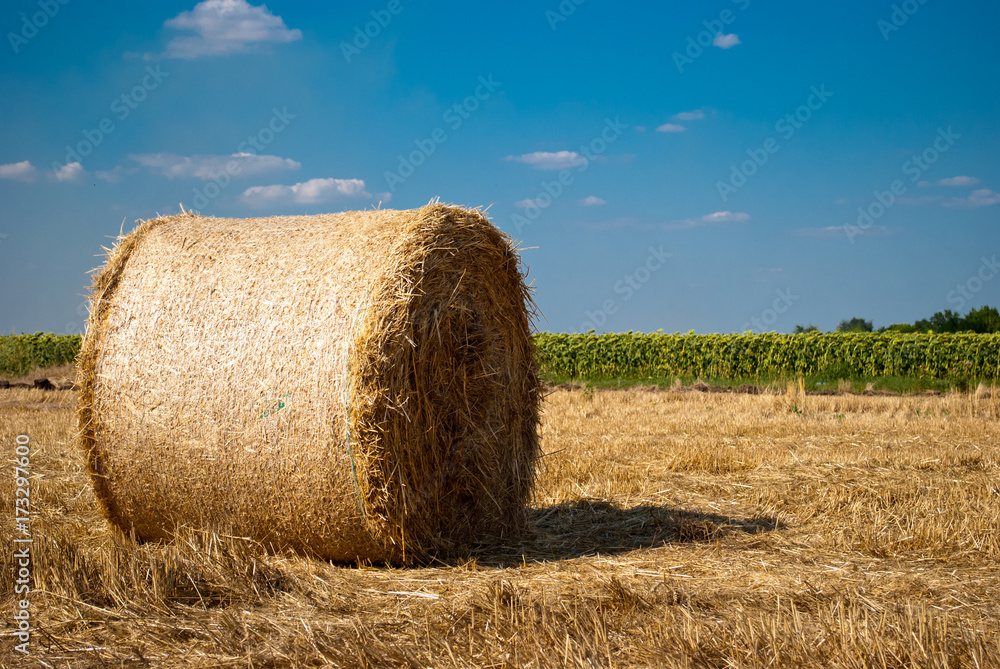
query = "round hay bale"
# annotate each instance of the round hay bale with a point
(358, 386)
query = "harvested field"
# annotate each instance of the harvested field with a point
(679, 529)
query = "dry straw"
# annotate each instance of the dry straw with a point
(357, 386)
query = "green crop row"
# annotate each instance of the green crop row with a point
(721, 356)
(740, 356)
(19, 354)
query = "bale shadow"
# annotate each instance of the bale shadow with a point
(589, 527)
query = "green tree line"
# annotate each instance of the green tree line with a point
(984, 320)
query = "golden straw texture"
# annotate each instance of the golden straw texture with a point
(357, 386)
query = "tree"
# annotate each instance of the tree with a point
(942, 321)
(984, 319)
(854, 325)
(900, 327)
(802, 330)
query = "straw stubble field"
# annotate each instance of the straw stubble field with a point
(668, 529)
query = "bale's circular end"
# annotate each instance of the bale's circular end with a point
(445, 395)
(357, 386)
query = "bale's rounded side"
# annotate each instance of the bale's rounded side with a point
(356, 386)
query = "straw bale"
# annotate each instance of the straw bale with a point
(357, 386)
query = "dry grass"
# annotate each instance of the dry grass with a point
(670, 529)
(62, 374)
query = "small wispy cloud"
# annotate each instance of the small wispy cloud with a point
(984, 197)
(726, 41)
(115, 175)
(726, 217)
(223, 27)
(208, 167)
(546, 160)
(591, 201)
(314, 191)
(22, 171)
(693, 115)
(708, 219)
(958, 181)
(670, 127)
(68, 173)
(532, 202)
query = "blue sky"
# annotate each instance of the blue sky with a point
(716, 166)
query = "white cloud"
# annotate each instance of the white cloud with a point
(545, 160)
(172, 165)
(693, 115)
(726, 217)
(68, 172)
(984, 197)
(640, 128)
(716, 217)
(923, 184)
(115, 175)
(22, 171)
(225, 26)
(726, 41)
(958, 181)
(313, 191)
(591, 201)
(538, 203)
(671, 127)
